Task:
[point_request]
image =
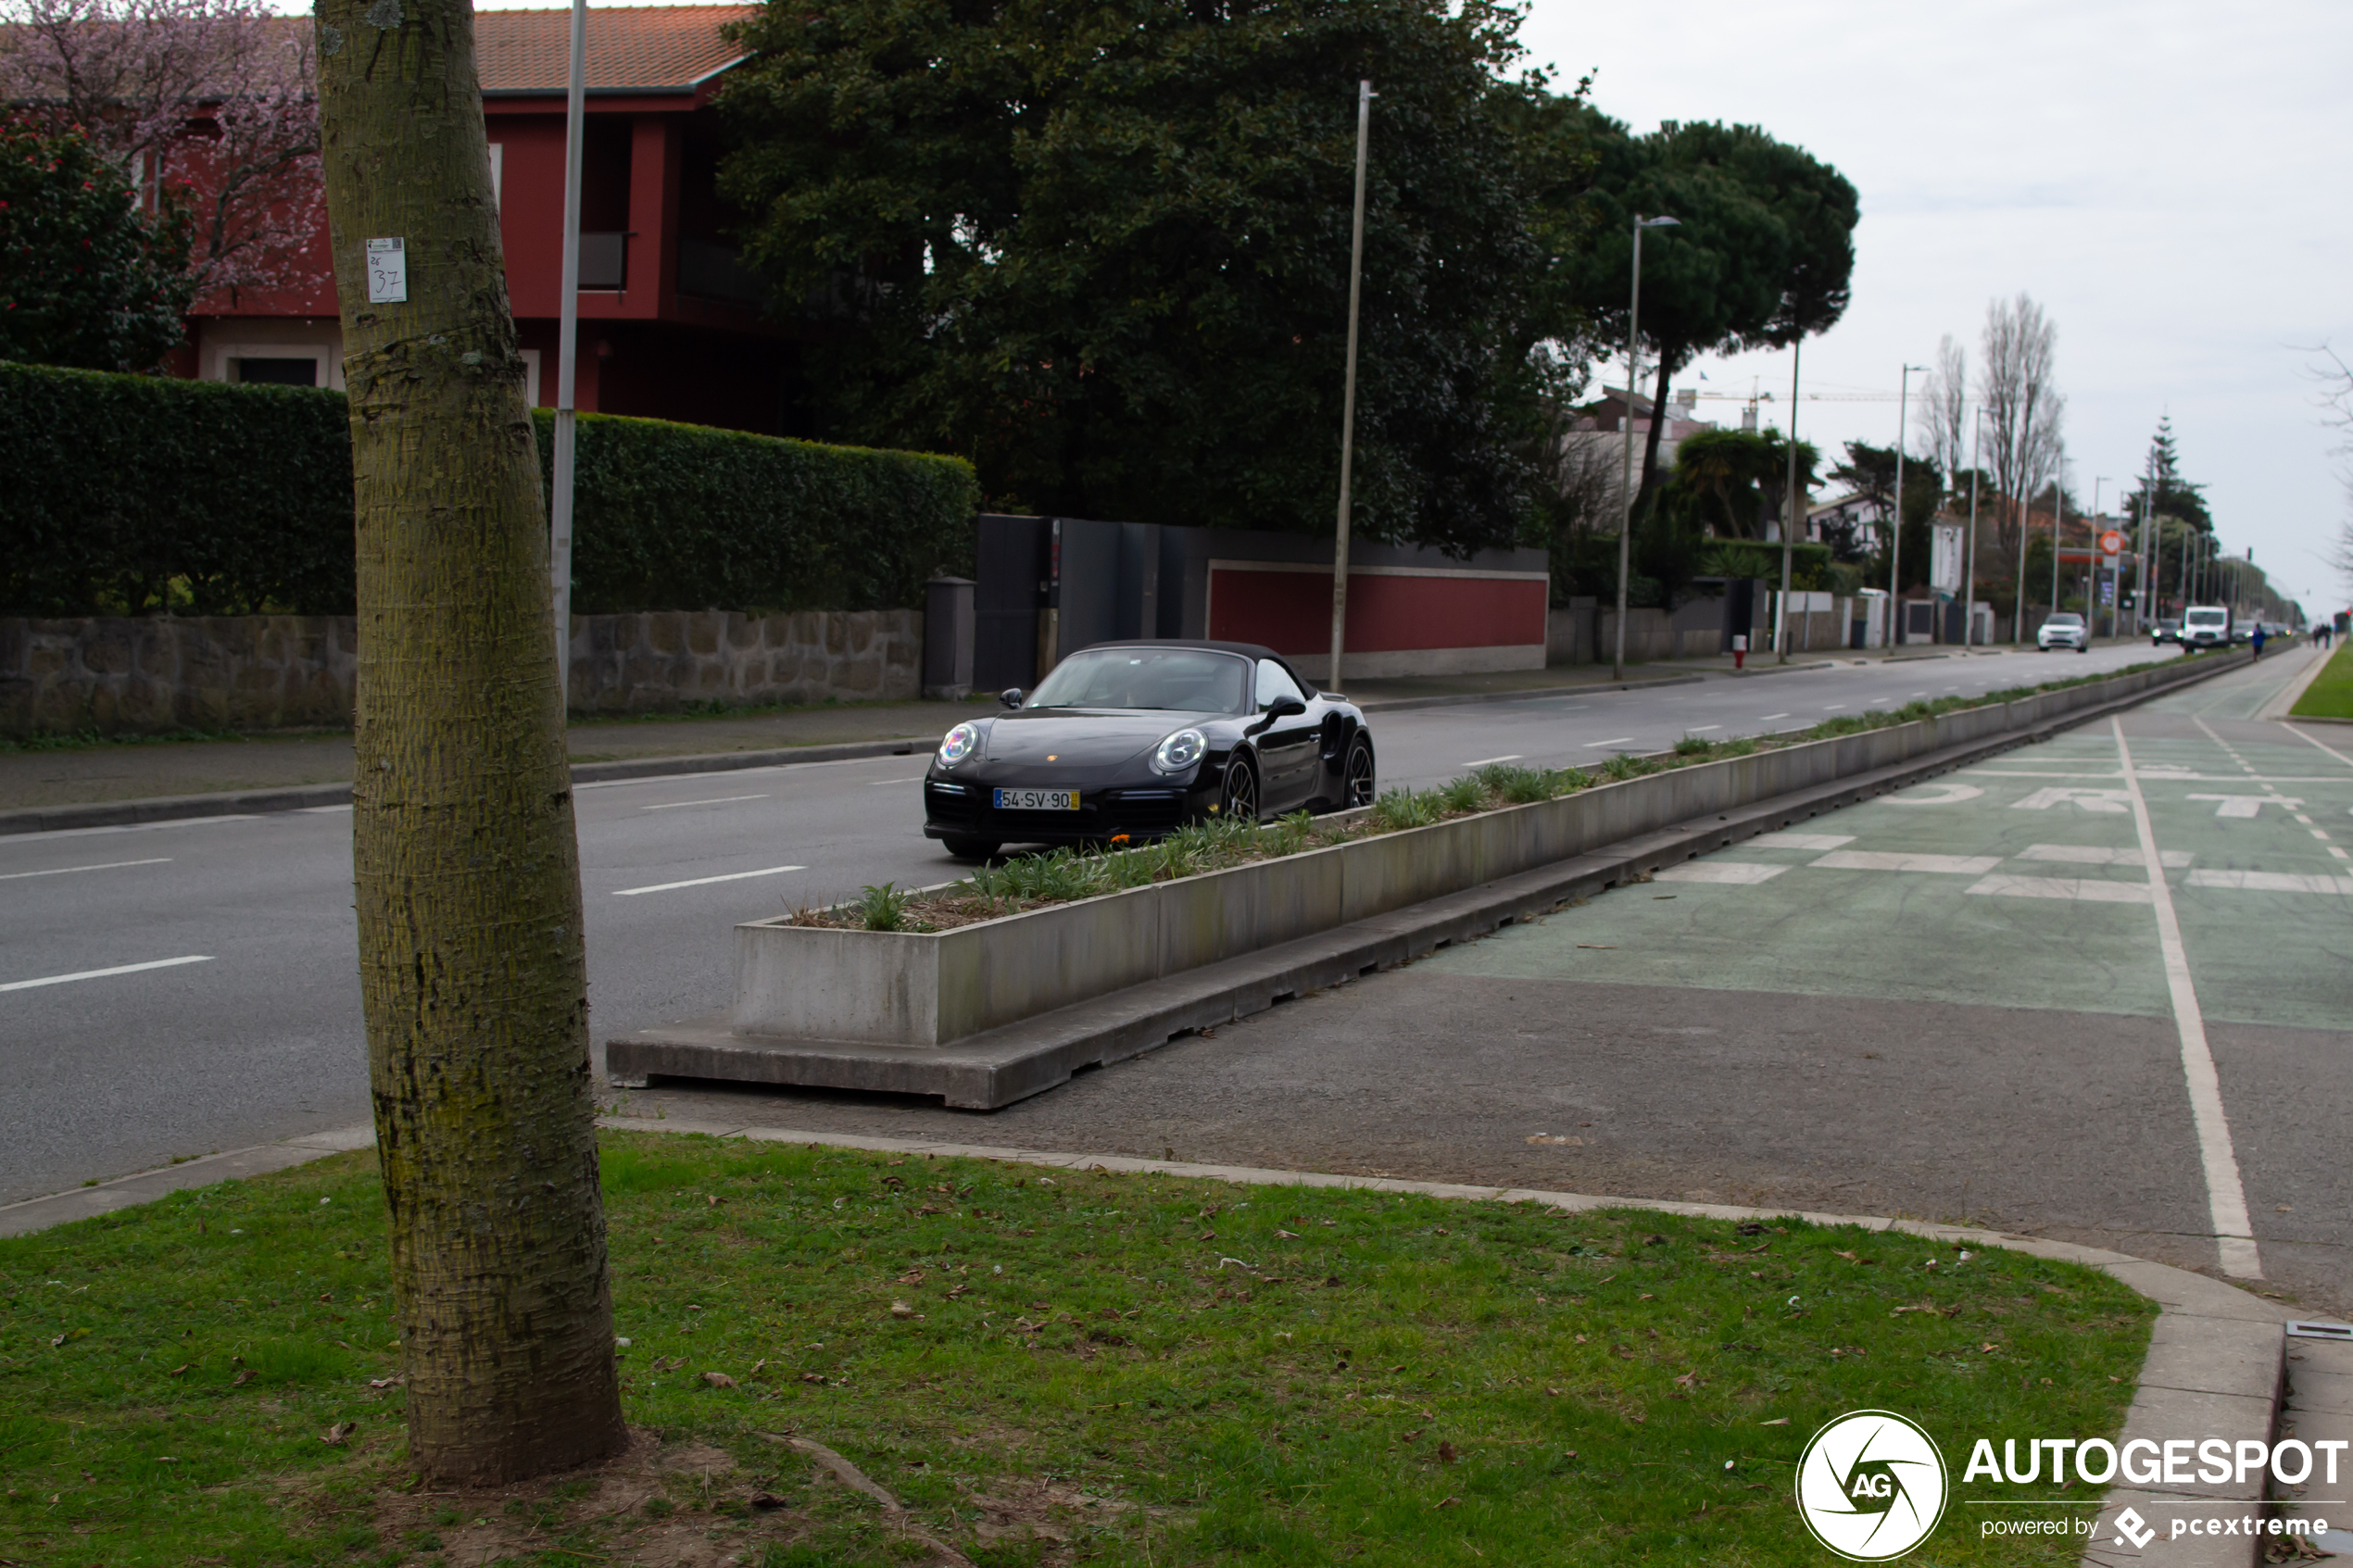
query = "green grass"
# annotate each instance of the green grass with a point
(2331, 693)
(1274, 1376)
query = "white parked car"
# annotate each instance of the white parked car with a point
(2064, 630)
(2206, 626)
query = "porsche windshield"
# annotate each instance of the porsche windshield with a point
(1185, 679)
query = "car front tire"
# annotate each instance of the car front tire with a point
(1240, 797)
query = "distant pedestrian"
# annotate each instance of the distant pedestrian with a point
(2323, 631)
(2256, 638)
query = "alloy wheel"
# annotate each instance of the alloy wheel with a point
(1241, 791)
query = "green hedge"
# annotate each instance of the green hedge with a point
(1752, 557)
(119, 490)
(124, 494)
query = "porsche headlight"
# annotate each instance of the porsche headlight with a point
(1180, 751)
(961, 742)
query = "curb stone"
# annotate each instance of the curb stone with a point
(2215, 1364)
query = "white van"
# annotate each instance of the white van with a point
(2206, 626)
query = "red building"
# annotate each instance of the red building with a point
(670, 321)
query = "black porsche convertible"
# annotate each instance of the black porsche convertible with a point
(1140, 738)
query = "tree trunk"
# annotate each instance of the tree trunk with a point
(473, 971)
(1658, 427)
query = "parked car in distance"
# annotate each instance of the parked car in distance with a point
(2064, 629)
(2165, 631)
(2206, 626)
(1136, 739)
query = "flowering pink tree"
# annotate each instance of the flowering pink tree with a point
(208, 104)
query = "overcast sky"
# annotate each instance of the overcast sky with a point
(2165, 178)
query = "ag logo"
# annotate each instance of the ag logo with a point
(1871, 1486)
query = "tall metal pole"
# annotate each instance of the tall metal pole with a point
(2018, 605)
(1348, 398)
(1969, 573)
(1625, 489)
(1895, 530)
(2147, 544)
(1788, 517)
(567, 352)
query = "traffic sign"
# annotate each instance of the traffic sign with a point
(2111, 543)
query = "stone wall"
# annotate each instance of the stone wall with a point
(151, 674)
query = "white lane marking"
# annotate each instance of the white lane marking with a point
(1953, 794)
(2113, 801)
(103, 973)
(2272, 882)
(1768, 717)
(2095, 855)
(1833, 707)
(2244, 804)
(1893, 861)
(1487, 762)
(2330, 750)
(1734, 873)
(102, 866)
(1803, 840)
(914, 749)
(2339, 853)
(2225, 1195)
(877, 784)
(343, 809)
(1702, 728)
(2004, 885)
(715, 800)
(1622, 740)
(128, 827)
(705, 881)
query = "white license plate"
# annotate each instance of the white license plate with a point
(1036, 799)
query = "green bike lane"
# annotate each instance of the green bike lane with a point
(1976, 967)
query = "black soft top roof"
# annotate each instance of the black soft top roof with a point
(1244, 650)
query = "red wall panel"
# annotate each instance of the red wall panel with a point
(1291, 611)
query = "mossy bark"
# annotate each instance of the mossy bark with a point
(472, 969)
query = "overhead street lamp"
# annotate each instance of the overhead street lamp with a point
(1895, 529)
(1364, 96)
(567, 352)
(1633, 378)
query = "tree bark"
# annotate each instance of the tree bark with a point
(1658, 427)
(472, 970)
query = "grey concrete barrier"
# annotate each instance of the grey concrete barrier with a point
(911, 990)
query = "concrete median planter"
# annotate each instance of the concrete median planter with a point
(932, 989)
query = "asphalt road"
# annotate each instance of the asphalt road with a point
(1953, 1003)
(256, 1034)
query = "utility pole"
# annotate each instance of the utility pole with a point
(568, 353)
(1895, 530)
(1789, 518)
(1348, 398)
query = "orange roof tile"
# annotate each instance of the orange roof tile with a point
(631, 48)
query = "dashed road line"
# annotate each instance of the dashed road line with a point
(2007, 884)
(1730, 872)
(2225, 1194)
(1622, 740)
(102, 866)
(1890, 860)
(1491, 761)
(103, 973)
(715, 800)
(2272, 882)
(705, 881)
(1815, 841)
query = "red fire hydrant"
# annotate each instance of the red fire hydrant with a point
(1740, 652)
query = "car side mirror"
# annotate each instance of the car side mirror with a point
(1285, 707)
(1010, 697)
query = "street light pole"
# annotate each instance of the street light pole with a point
(567, 355)
(1895, 530)
(1788, 517)
(1633, 378)
(1348, 398)
(2025, 516)
(1969, 574)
